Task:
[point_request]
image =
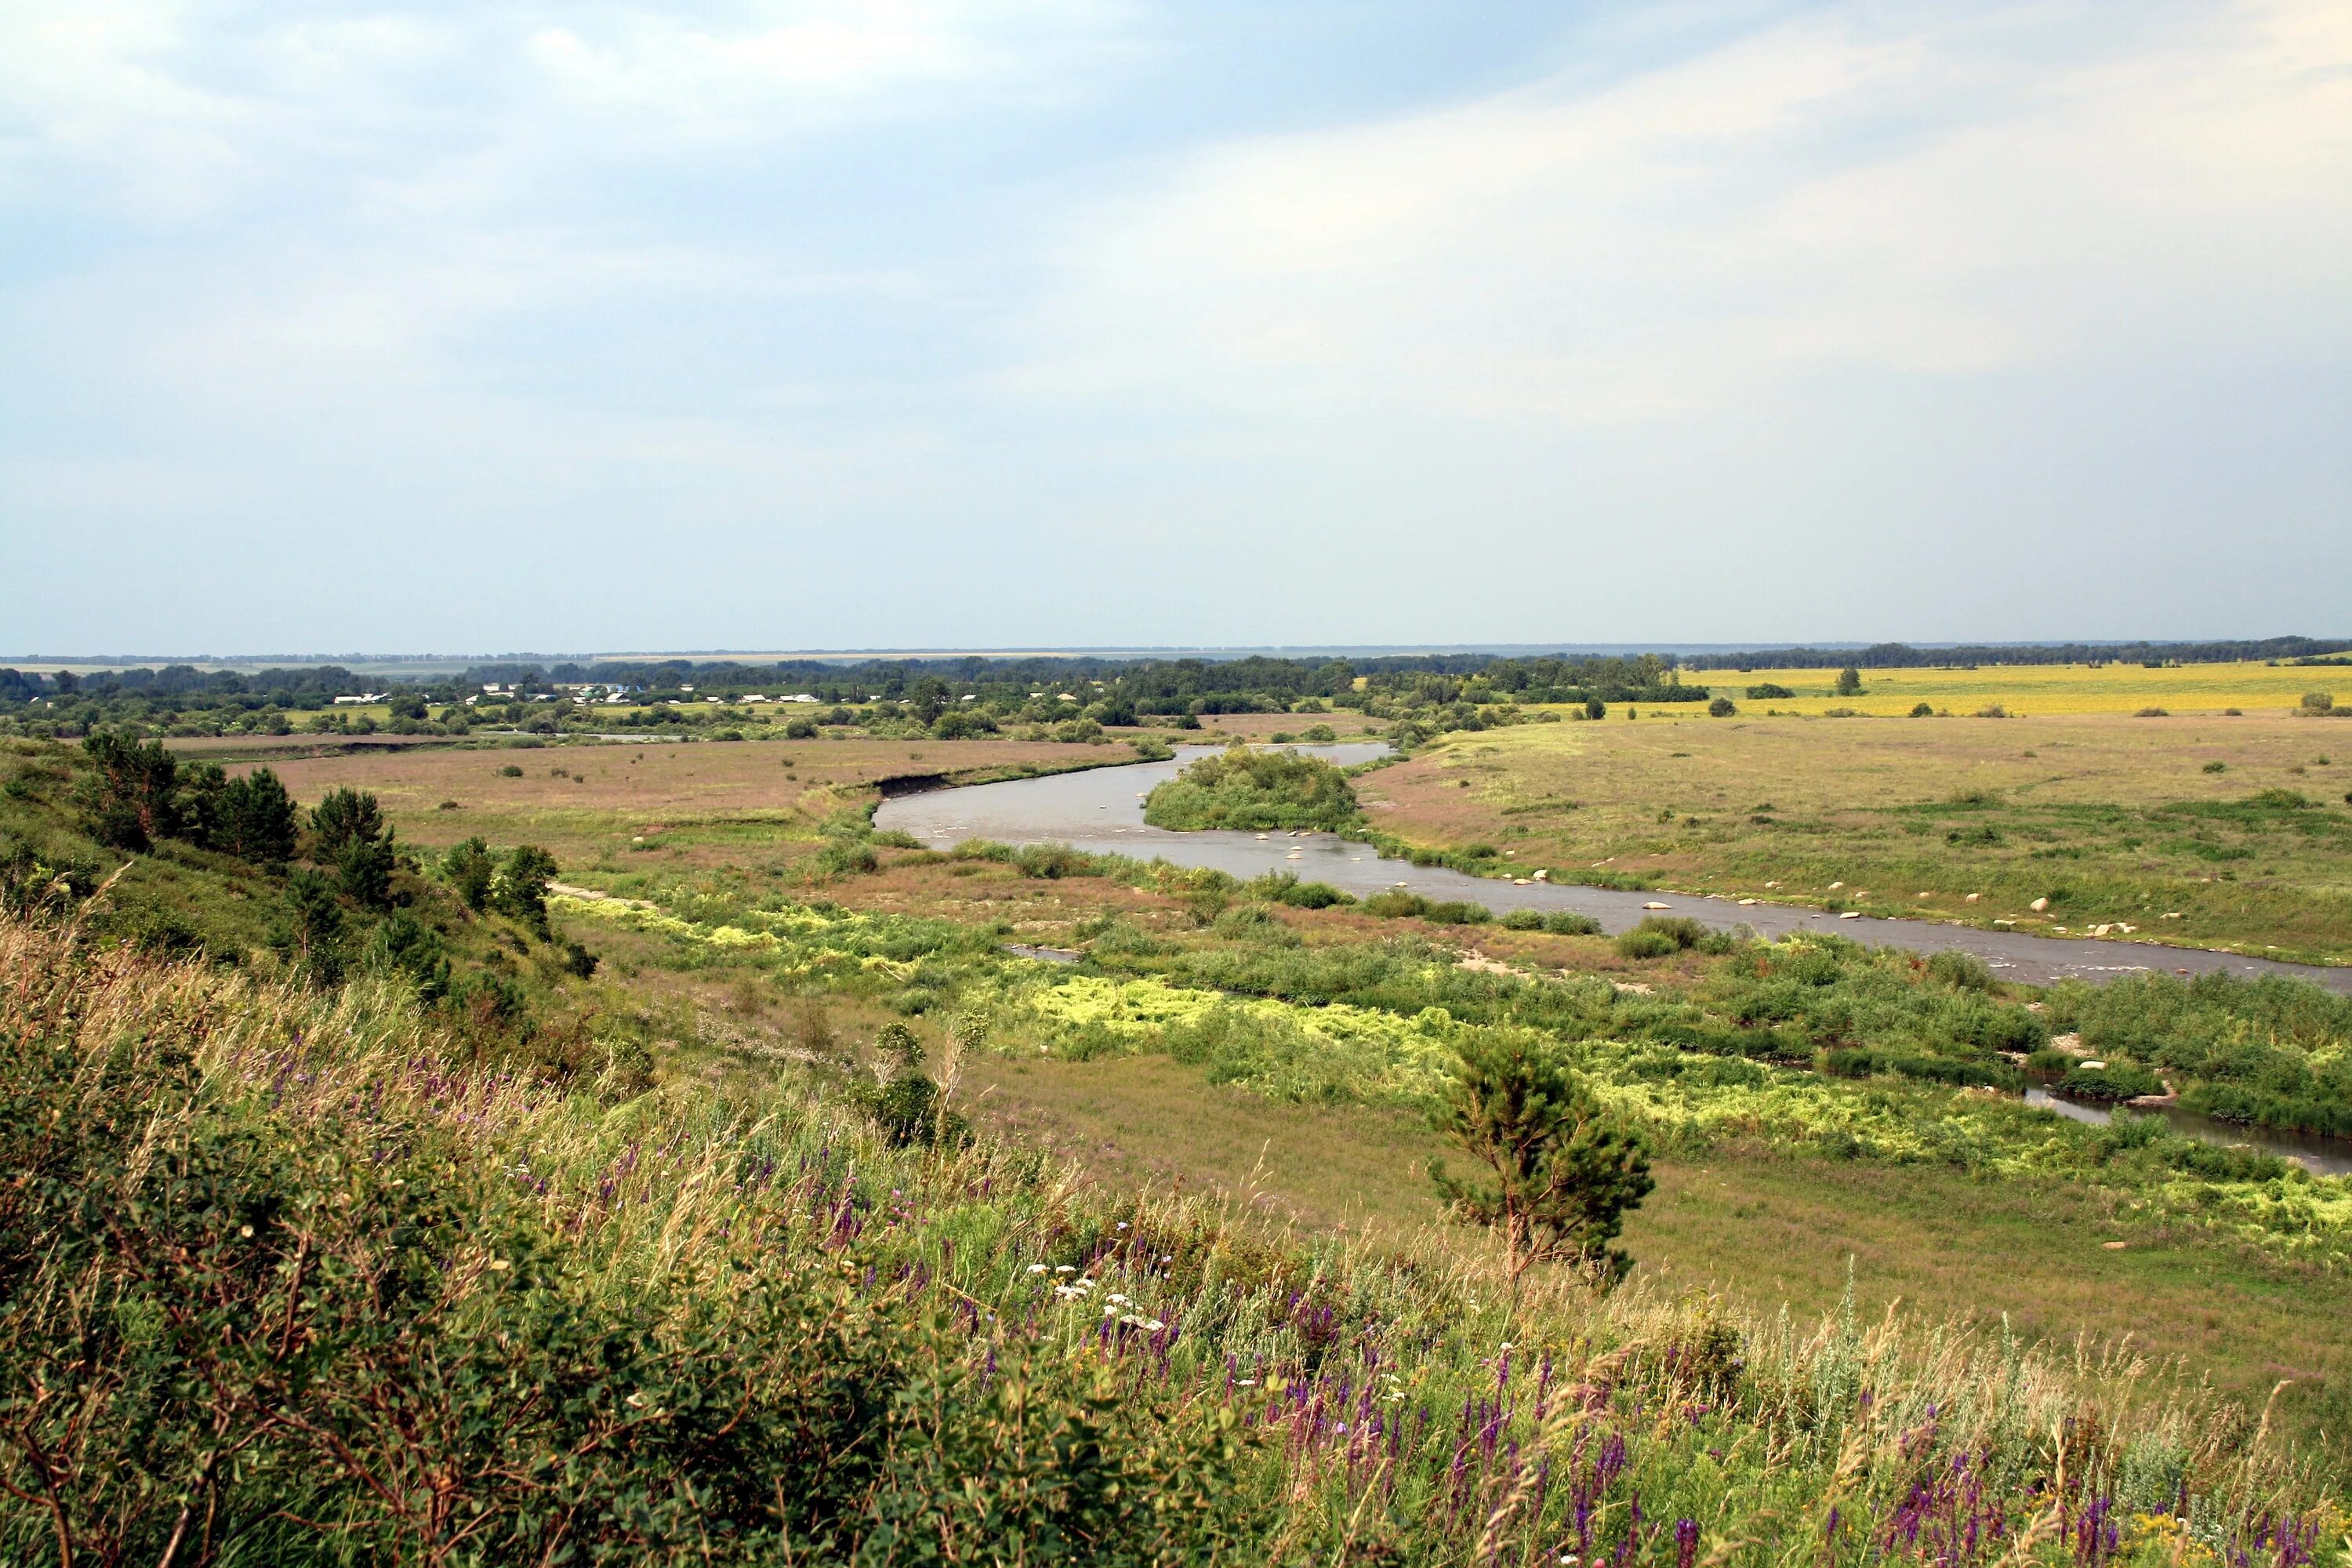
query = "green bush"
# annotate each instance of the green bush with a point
(1285, 887)
(1963, 971)
(1658, 935)
(1722, 708)
(1767, 691)
(2115, 1081)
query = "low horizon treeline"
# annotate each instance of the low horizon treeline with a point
(1118, 689)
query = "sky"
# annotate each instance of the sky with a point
(596, 326)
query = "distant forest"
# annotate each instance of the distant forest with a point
(969, 694)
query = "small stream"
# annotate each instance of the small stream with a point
(1101, 810)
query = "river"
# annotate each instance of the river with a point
(1102, 809)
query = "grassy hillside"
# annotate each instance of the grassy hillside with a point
(287, 1279)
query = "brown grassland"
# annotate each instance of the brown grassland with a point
(2185, 827)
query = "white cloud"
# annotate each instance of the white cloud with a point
(1969, 193)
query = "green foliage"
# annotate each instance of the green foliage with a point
(1960, 969)
(907, 1105)
(1555, 922)
(1285, 887)
(299, 1340)
(1767, 691)
(363, 872)
(519, 890)
(1923, 710)
(1244, 788)
(1563, 1175)
(1849, 682)
(1722, 708)
(2114, 1081)
(1659, 935)
(255, 819)
(1398, 904)
(311, 934)
(406, 946)
(344, 816)
(129, 800)
(2270, 1051)
(470, 868)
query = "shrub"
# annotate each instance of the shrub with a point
(510, 772)
(1767, 691)
(2216, 767)
(1923, 710)
(1722, 708)
(1962, 971)
(1659, 935)
(1553, 922)
(2115, 1081)
(2151, 714)
(847, 855)
(1849, 682)
(1396, 904)
(1285, 887)
(2318, 701)
(1051, 862)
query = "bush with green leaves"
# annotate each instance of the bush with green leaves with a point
(1556, 923)
(1657, 936)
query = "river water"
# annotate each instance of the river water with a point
(1102, 809)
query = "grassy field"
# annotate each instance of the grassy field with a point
(2040, 691)
(1761, 1229)
(700, 803)
(702, 827)
(2186, 828)
(732, 1321)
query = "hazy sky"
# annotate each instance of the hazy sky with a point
(482, 326)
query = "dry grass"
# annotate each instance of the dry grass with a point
(2079, 808)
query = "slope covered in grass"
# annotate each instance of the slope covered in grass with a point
(284, 1279)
